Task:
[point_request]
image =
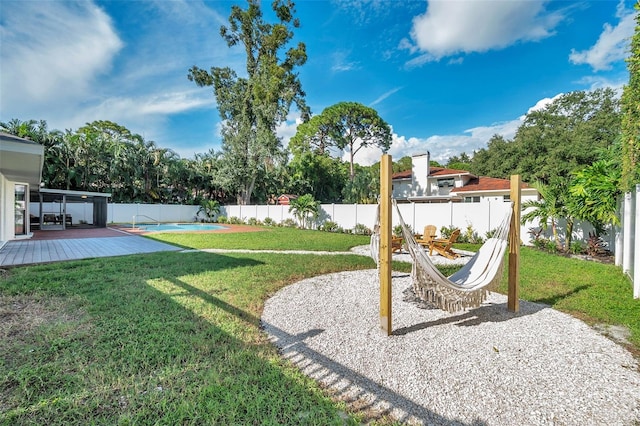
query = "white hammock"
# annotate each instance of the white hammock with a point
(468, 287)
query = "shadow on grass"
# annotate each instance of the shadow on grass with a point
(553, 299)
(161, 350)
(340, 373)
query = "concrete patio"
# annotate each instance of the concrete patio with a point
(74, 244)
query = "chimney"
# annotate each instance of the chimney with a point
(419, 174)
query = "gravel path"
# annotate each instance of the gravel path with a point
(485, 366)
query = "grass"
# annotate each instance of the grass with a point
(269, 238)
(174, 338)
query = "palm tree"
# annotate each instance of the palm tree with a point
(304, 208)
(209, 208)
(550, 209)
(595, 191)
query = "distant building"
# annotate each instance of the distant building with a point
(426, 184)
(285, 199)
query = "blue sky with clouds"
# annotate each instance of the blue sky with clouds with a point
(446, 75)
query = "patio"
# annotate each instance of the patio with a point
(74, 244)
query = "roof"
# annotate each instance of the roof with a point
(21, 160)
(433, 171)
(484, 183)
(442, 171)
(402, 175)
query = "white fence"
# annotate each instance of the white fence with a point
(628, 253)
(482, 217)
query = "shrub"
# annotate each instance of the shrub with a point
(596, 245)
(446, 231)
(551, 246)
(361, 229)
(576, 247)
(330, 226)
(269, 222)
(536, 234)
(253, 221)
(222, 219)
(540, 243)
(491, 233)
(235, 221)
(289, 223)
(470, 236)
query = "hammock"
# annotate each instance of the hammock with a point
(468, 287)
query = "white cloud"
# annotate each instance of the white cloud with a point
(384, 96)
(612, 45)
(341, 62)
(287, 129)
(442, 147)
(451, 27)
(52, 52)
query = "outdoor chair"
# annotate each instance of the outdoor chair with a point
(428, 236)
(396, 244)
(443, 246)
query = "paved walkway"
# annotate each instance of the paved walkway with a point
(27, 252)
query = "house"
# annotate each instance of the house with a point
(285, 199)
(21, 162)
(427, 184)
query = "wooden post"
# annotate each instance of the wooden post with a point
(514, 245)
(385, 244)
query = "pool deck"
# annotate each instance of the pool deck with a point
(74, 244)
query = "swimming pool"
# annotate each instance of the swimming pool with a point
(163, 227)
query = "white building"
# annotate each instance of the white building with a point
(21, 162)
(426, 184)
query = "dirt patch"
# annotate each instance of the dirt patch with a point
(21, 315)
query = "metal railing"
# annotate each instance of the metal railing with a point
(133, 223)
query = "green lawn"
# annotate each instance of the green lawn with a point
(269, 238)
(174, 338)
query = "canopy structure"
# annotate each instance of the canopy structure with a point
(55, 212)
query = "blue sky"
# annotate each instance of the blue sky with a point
(446, 75)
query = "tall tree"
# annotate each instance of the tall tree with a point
(251, 107)
(567, 134)
(570, 132)
(346, 126)
(631, 115)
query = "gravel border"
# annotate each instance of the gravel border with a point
(485, 366)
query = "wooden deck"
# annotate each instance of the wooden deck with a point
(55, 246)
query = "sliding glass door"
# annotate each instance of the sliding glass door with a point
(21, 209)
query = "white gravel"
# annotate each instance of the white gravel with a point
(485, 366)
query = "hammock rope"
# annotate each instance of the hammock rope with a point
(468, 287)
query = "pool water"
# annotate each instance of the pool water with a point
(154, 227)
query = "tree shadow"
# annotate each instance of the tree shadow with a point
(553, 299)
(291, 345)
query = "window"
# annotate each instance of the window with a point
(446, 183)
(472, 199)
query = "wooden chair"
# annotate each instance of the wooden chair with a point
(428, 236)
(443, 246)
(396, 244)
